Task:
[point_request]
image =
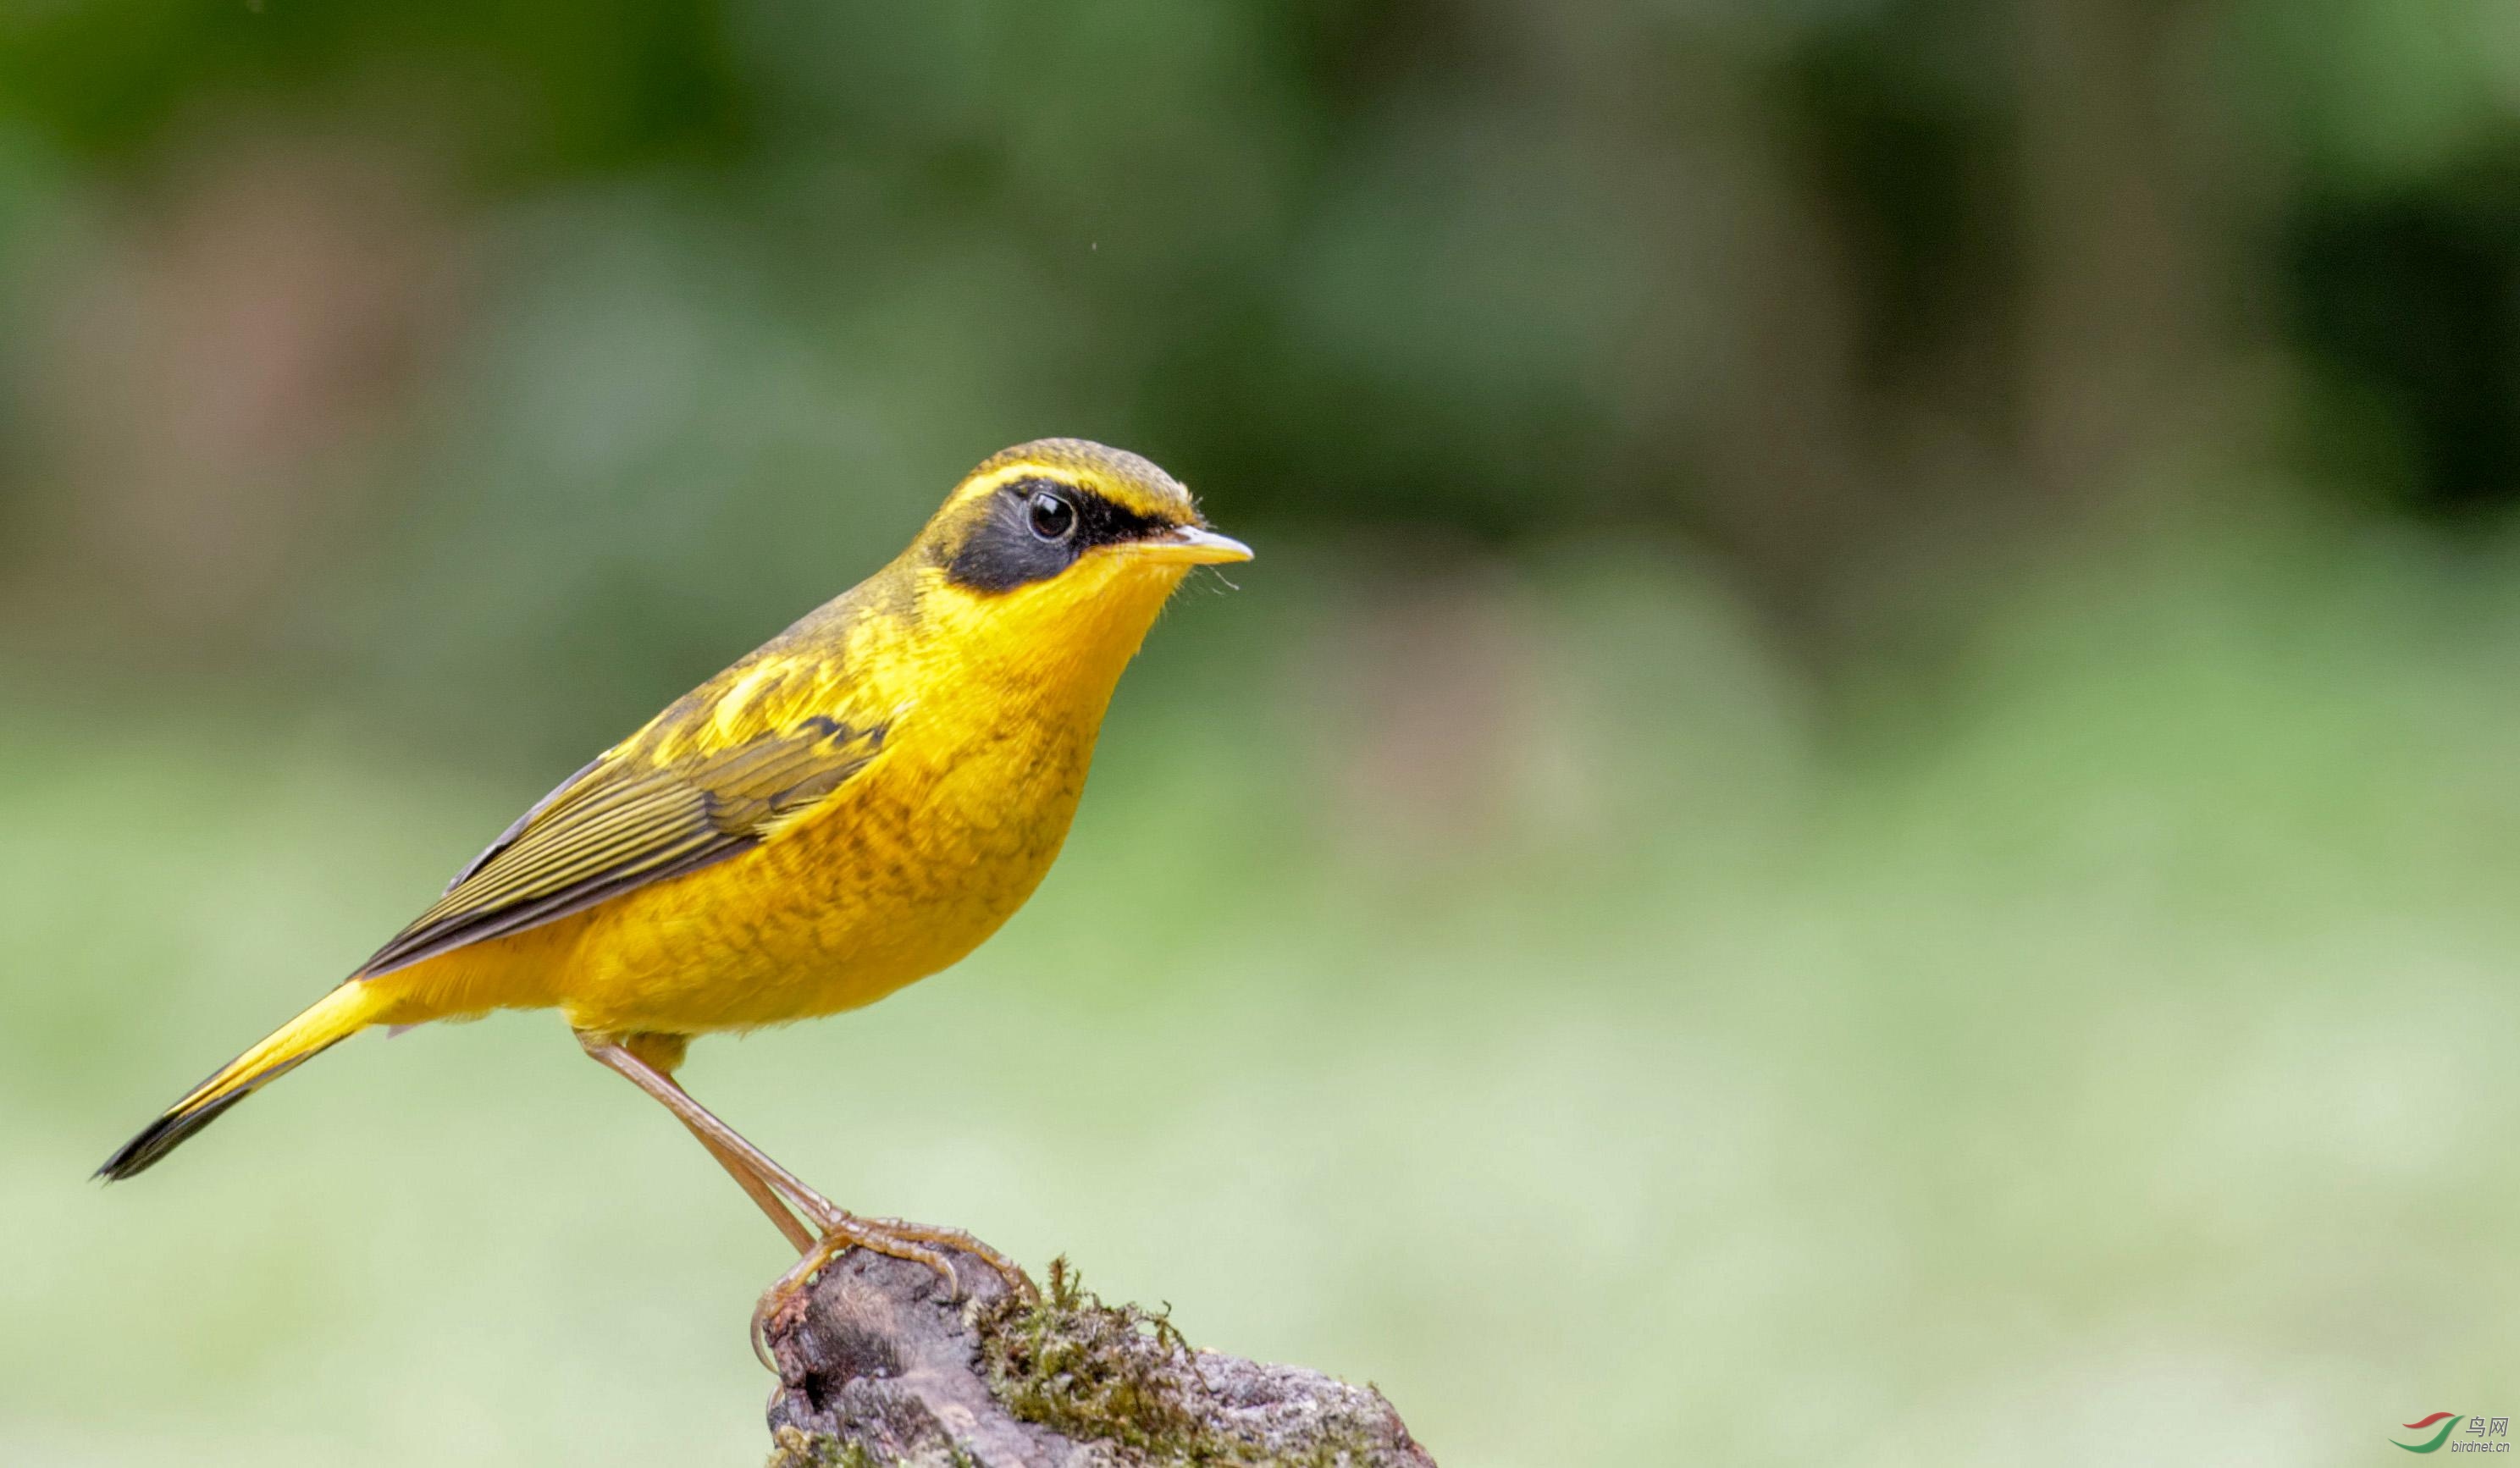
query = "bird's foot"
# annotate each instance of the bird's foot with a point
(919, 1243)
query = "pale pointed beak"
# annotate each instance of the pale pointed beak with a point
(1188, 545)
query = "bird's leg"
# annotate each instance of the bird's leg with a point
(754, 1185)
(722, 1140)
(840, 1230)
(757, 1189)
(661, 1054)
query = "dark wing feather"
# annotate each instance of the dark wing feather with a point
(517, 827)
(610, 829)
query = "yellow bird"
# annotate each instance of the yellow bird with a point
(856, 805)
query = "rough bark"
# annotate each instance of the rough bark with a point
(877, 1367)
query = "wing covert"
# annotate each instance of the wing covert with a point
(614, 827)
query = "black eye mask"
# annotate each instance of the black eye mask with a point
(1004, 551)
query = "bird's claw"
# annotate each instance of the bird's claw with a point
(919, 1243)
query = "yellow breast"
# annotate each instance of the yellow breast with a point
(914, 864)
(907, 868)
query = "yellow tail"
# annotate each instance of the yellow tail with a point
(330, 1020)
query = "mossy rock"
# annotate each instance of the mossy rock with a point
(879, 1370)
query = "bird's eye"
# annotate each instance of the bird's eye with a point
(1052, 517)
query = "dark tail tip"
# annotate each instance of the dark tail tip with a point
(163, 1136)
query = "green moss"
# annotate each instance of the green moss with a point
(1120, 1377)
(1117, 1374)
(793, 1448)
(1096, 1372)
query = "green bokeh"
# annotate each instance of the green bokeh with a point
(1859, 808)
(2115, 1048)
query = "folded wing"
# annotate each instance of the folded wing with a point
(616, 826)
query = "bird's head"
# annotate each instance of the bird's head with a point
(1063, 539)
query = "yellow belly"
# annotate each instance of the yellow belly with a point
(905, 870)
(909, 865)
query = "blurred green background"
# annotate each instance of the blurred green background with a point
(1862, 806)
